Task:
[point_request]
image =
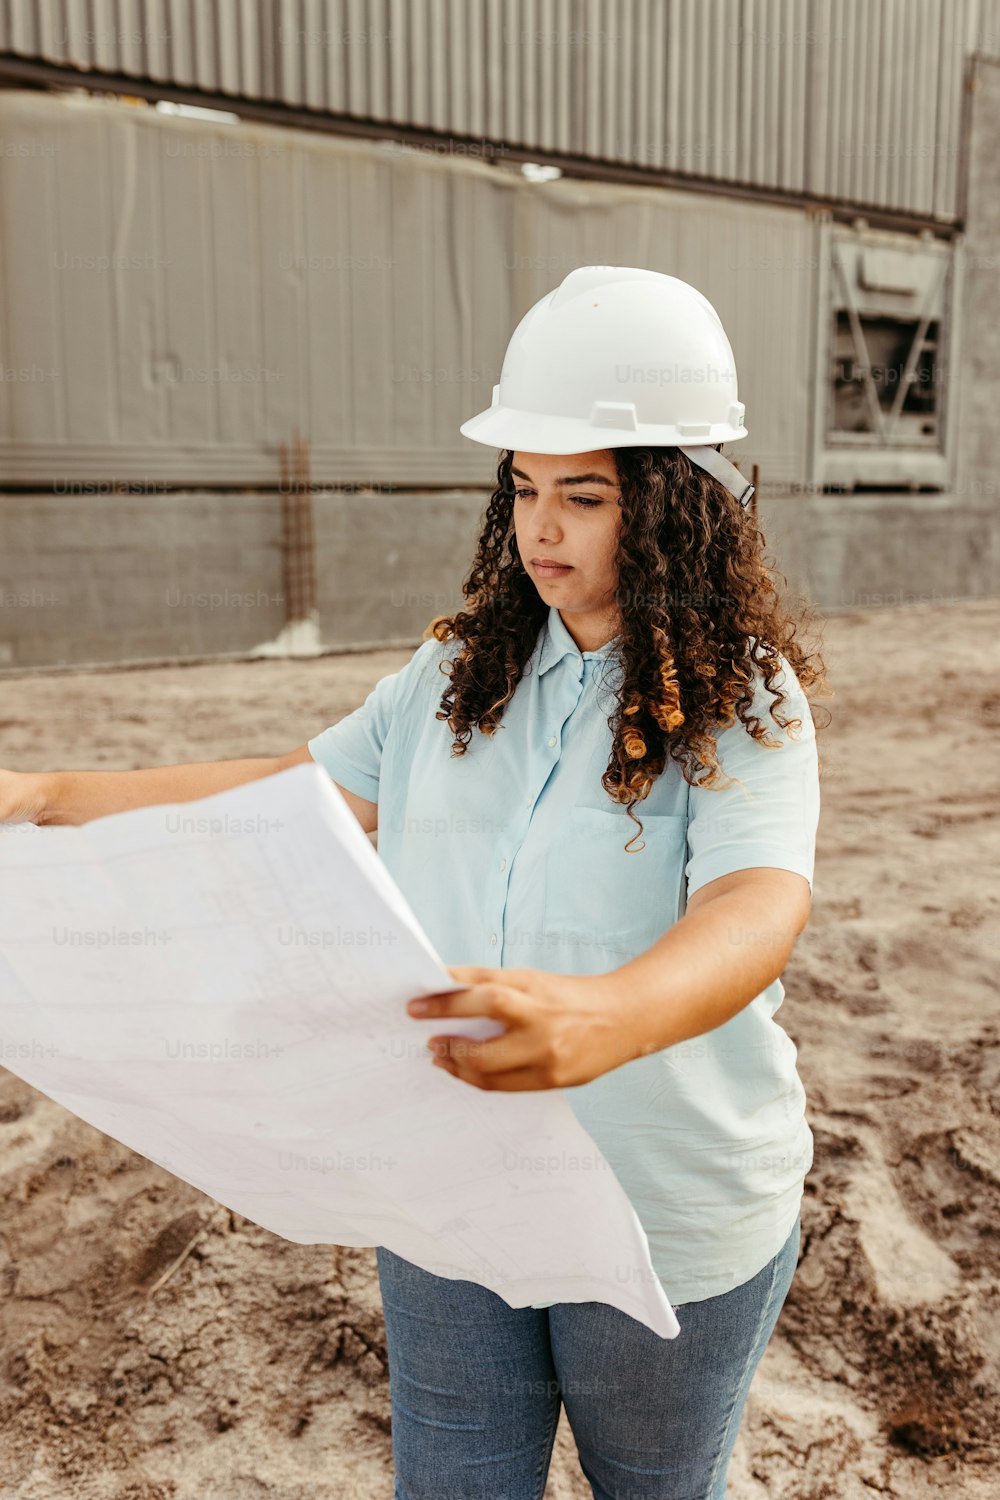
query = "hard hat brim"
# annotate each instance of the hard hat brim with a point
(503, 427)
(531, 432)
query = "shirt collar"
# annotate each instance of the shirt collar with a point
(556, 642)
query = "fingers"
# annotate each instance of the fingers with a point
(470, 973)
(498, 1001)
(514, 1080)
(496, 1055)
(513, 1060)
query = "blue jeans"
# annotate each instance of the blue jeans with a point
(477, 1387)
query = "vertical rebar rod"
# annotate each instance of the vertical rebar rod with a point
(297, 530)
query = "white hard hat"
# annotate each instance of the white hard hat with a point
(618, 357)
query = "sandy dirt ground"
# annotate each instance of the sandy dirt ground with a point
(257, 1368)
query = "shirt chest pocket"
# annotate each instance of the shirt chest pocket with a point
(598, 896)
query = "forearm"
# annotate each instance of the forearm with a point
(79, 796)
(701, 972)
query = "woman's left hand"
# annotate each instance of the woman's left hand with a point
(561, 1030)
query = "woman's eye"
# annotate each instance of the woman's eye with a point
(576, 499)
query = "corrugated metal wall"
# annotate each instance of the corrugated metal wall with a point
(859, 100)
(187, 292)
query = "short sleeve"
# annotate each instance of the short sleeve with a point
(770, 816)
(351, 750)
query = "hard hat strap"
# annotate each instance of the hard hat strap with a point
(720, 468)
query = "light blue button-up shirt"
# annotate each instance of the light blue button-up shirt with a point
(512, 855)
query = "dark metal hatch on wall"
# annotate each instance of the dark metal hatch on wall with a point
(882, 381)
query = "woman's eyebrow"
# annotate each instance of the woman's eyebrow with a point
(573, 479)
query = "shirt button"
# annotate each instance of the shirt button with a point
(503, 864)
(493, 938)
(552, 741)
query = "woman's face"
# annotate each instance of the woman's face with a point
(567, 508)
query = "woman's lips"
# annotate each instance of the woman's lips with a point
(552, 570)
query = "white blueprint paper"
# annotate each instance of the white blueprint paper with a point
(221, 986)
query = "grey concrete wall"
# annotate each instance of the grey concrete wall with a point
(870, 551)
(93, 578)
(387, 564)
(977, 477)
(97, 577)
(113, 578)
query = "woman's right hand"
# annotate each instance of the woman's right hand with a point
(22, 796)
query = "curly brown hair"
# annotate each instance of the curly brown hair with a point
(697, 606)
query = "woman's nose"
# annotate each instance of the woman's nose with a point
(545, 518)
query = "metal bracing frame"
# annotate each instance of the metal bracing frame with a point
(884, 423)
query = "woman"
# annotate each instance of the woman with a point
(592, 818)
(638, 674)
